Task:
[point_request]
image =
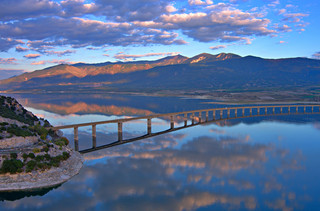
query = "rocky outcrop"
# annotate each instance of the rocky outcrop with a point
(43, 179)
(31, 155)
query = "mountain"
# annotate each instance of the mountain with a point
(201, 72)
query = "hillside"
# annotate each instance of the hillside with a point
(202, 72)
(32, 155)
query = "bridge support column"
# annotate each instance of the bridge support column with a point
(192, 118)
(265, 111)
(207, 115)
(228, 113)
(149, 126)
(280, 110)
(273, 110)
(119, 131)
(200, 117)
(304, 109)
(312, 109)
(250, 111)
(185, 119)
(76, 139)
(242, 111)
(258, 111)
(214, 114)
(94, 136)
(221, 113)
(171, 122)
(236, 112)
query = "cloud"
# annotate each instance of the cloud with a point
(316, 55)
(54, 61)
(200, 2)
(294, 17)
(48, 24)
(22, 9)
(59, 53)
(32, 56)
(8, 60)
(123, 56)
(218, 47)
(21, 49)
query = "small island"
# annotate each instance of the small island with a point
(32, 156)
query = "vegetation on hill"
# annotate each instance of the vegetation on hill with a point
(10, 108)
(44, 154)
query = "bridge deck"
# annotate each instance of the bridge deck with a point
(259, 110)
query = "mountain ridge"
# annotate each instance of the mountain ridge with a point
(201, 72)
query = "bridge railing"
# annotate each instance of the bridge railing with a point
(196, 116)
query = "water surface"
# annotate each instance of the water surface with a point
(263, 163)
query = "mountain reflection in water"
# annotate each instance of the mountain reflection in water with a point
(264, 163)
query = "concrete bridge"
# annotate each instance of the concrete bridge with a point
(190, 119)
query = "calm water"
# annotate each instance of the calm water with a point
(265, 163)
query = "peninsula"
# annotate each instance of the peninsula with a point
(31, 155)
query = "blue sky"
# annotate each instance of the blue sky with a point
(35, 34)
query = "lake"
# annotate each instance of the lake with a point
(260, 163)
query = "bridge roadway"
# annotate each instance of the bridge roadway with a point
(221, 113)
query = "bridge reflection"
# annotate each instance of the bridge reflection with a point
(190, 119)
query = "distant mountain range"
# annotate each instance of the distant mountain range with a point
(201, 72)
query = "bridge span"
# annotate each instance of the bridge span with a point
(190, 119)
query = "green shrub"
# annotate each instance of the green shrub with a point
(31, 155)
(12, 166)
(13, 155)
(31, 165)
(39, 158)
(65, 155)
(36, 150)
(17, 131)
(46, 149)
(47, 157)
(25, 156)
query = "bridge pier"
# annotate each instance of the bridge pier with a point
(200, 116)
(207, 115)
(76, 138)
(94, 136)
(221, 113)
(228, 113)
(148, 126)
(250, 109)
(214, 114)
(120, 131)
(192, 118)
(171, 122)
(185, 119)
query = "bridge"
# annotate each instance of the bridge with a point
(190, 119)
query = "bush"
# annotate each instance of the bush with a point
(12, 166)
(13, 155)
(25, 156)
(31, 165)
(36, 150)
(46, 149)
(47, 157)
(39, 158)
(15, 130)
(65, 155)
(62, 142)
(31, 155)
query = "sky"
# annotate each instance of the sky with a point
(35, 34)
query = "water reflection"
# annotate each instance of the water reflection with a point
(262, 163)
(176, 171)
